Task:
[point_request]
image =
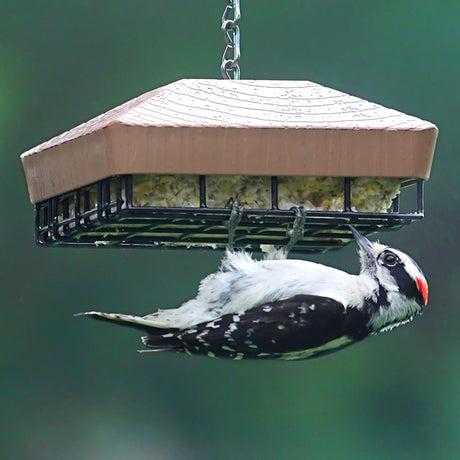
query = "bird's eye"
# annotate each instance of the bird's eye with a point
(390, 259)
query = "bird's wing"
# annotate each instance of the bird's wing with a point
(300, 327)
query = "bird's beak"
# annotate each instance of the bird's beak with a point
(364, 244)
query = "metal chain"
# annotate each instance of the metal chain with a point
(230, 68)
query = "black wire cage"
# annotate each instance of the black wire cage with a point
(102, 214)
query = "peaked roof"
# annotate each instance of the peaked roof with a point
(253, 127)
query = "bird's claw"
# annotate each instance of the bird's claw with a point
(296, 234)
(236, 214)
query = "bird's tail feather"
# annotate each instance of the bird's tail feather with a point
(158, 339)
(163, 342)
(132, 321)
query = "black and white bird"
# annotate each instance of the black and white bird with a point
(286, 309)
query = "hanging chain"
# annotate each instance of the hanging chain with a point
(230, 68)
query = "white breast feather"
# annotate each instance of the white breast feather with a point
(244, 283)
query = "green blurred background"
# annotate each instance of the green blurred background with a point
(74, 389)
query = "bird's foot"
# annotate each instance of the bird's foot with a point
(297, 231)
(231, 224)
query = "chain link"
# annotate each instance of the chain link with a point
(230, 68)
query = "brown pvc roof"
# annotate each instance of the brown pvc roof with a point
(250, 127)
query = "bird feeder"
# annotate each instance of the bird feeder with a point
(239, 163)
(179, 165)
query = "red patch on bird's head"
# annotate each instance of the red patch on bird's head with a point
(422, 286)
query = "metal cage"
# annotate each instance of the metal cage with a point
(103, 215)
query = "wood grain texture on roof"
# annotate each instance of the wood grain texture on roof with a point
(250, 127)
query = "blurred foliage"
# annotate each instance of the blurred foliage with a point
(73, 389)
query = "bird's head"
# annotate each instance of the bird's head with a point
(400, 278)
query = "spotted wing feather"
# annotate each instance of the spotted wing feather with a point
(300, 327)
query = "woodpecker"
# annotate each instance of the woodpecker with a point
(280, 308)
